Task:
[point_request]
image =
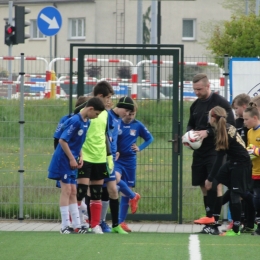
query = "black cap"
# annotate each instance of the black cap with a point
(126, 102)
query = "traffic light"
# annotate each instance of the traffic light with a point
(20, 24)
(9, 34)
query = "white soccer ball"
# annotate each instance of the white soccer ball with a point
(190, 141)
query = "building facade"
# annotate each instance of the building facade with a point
(113, 21)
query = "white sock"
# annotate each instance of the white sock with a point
(82, 211)
(74, 213)
(65, 218)
(105, 205)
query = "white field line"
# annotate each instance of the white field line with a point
(194, 247)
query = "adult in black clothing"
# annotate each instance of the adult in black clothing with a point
(236, 172)
(204, 157)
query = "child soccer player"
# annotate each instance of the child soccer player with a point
(81, 102)
(239, 104)
(125, 165)
(251, 117)
(235, 173)
(67, 158)
(124, 106)
(96, 159)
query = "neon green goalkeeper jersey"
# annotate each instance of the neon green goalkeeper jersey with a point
(94, 147)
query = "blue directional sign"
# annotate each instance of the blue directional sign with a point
(49, 21)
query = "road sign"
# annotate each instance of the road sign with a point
(49, 21)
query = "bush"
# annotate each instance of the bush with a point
(124, 72)
(94, 71)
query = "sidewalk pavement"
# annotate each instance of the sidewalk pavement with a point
(135, 227)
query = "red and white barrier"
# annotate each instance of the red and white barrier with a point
(25, 58)
(90, 60)
(133, 82)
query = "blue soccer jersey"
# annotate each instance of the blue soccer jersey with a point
(116, 126)
(127, 136)
(59, 128)
(74, 133)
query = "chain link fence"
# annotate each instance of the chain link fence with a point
(40, 196)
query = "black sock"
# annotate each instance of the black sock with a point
(226, 197)
(211, 200)
(114, 209)
(236, 226)
(243, 211)
(205, 201)
(236, 210)
(87, 202)
(217, 208)
(249, 210)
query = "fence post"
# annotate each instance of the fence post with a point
(48, 85)
(53, 85)
(226, 75)
(21, 122)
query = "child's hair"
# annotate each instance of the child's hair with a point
(135, 106)
(256, 100)
(252, 110)
(96, 103)
(241, 99)
(81, 100)
(220, 115)
(104, 88)
(81, 103)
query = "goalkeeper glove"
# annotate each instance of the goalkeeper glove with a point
(110, 164)
(253, 151)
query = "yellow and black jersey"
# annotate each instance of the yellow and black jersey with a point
(253, 137)
(236, 151)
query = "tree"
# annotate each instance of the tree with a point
(239, 37)
(238, 7)
(189, 72)
(94, 71)
(146, 26)
(124, 72)
(146, 36)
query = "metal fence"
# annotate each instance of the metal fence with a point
(154, 176)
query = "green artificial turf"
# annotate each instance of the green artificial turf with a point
(54, 246)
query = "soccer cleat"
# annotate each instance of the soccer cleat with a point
(205, 221)
(230, 226)
(230, 233)
(118, 229)
(97, 230)
(214, 230)
(247, 230)
(83, 230)
(205, 230)
(105, 227)
(134, 203)
(256, 232)
(67, 230)
(125, 227)
(209, 230)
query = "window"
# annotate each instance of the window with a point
(188, 29)
(77, 28)
(35, 32)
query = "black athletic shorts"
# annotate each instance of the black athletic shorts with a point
(236, 176)
(83, 172)
(93, 171)
(256, 184)
(200, 168)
